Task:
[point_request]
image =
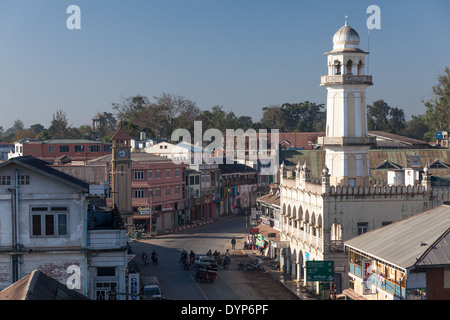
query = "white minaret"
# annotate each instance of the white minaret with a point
(346, 142)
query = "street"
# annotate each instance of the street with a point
(232, 284)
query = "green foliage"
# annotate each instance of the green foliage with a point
(297, 117)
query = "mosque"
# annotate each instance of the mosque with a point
(319, 213)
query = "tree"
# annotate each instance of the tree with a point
(416, 128)
(158, 118)
(294, 117)
(58, 128)
(304, 116)
(437, 114)
(274, 118)
(381, 117)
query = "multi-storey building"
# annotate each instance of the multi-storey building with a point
(51, 150)
(203, 191)
(48, 224)
(407, 260)
(238, 183)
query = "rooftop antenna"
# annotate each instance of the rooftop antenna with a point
(368, 46)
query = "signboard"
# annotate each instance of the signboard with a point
(254, 231)
(133, 285)
(413, 160)
(319, 270)
(283, 244)
(367, 275)
(439, 135)
(144, 210)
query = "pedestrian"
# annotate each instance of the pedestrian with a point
(233, 243)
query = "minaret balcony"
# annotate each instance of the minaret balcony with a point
(346, 141)
(346, 79)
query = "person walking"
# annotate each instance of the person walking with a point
(233, 243)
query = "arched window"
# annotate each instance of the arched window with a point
(336, 235)
(360, 67)
(337, 67)
(349, 67)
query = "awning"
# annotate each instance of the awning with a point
(352, 294)
(269, 234)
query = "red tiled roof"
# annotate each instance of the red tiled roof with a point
(121, 135)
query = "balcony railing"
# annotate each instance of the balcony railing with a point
(106, 239)
(346, 79)
(346, 141)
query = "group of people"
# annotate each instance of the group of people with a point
(186, 259)
(154, 257)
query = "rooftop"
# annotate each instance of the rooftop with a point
(420, 240)
(38, 286)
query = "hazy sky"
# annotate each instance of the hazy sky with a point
(241, 54)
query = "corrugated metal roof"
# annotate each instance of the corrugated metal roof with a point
(43, 167)
(38, 286)
(421, 239)
(315, 159)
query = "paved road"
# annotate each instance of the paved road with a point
(232, 284)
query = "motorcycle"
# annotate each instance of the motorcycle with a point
(226, 262)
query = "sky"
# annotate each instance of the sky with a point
(242, 55)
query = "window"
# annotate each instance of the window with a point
(49, 221)
(138, 174)
(5, 180)
(158, 174)
(51, 148)
(150, 174)
(94, 148)
(446, 278)
(168, 191)
(352, 182)
(177, 189)
(107, 148)
(24, 180)
(63, 148)
(363, 227)
(349, 67)
(106, 271)
(139, 193)
(158, 192)
(167, 173)
(79, 148)
(177, 172)
(103, 290)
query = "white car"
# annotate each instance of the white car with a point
(204, 261)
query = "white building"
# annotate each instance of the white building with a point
(44, 225)
(181, 152)
(319, 213)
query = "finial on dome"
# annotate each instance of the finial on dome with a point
(346, 18)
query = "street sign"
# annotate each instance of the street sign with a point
(319, 270)
(283, 244)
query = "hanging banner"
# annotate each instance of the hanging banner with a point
(367, 276)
